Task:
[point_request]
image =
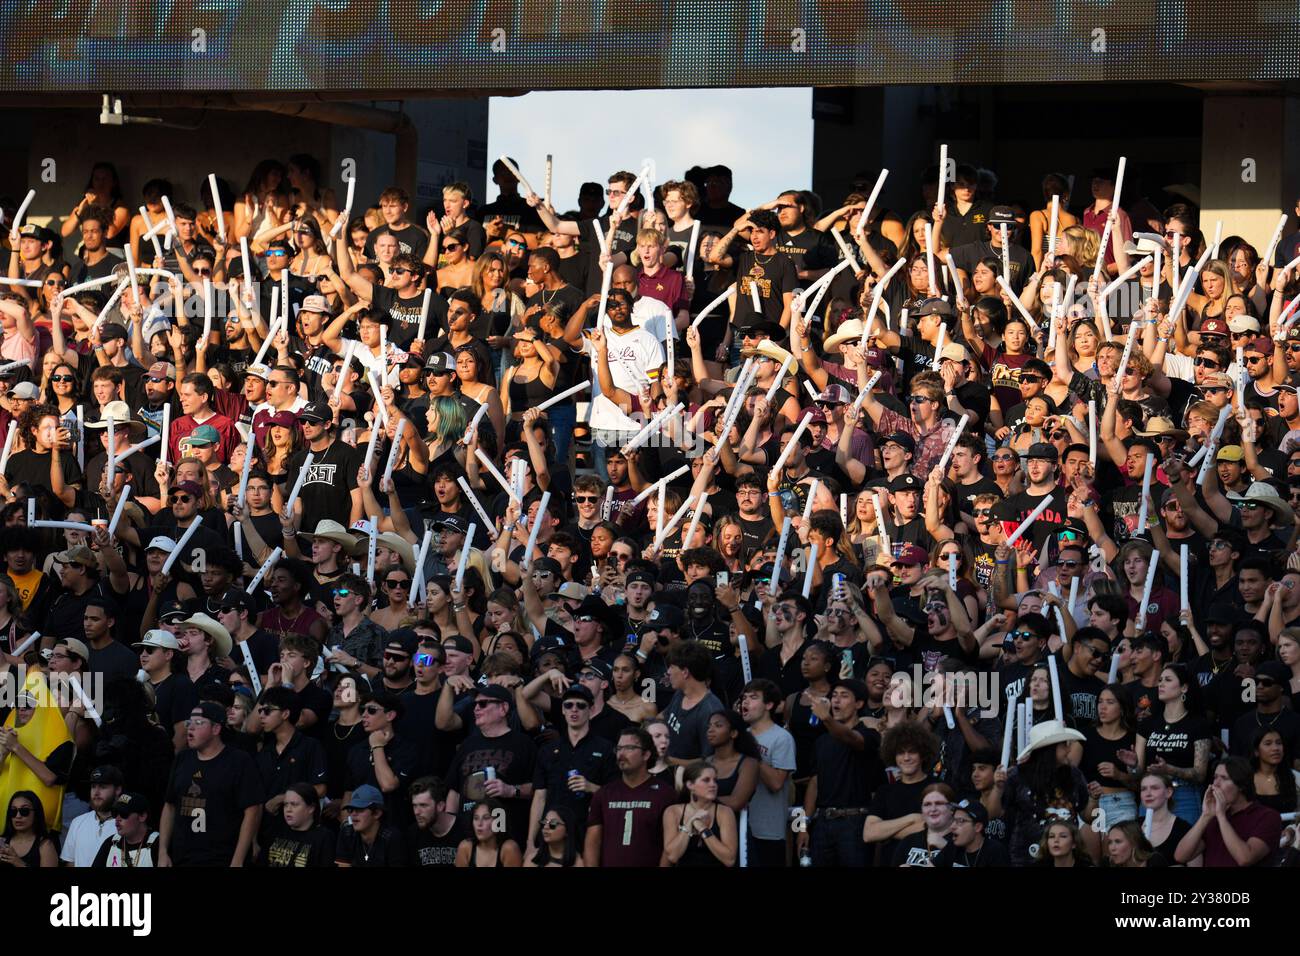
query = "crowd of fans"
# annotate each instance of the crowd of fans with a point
(660, 532)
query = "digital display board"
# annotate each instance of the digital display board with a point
(507, 45)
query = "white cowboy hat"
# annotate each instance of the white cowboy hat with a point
(1047, 734)
(222, 644)
(1263, 493)
(331, 530)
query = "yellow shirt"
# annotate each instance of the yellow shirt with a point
(27, 585)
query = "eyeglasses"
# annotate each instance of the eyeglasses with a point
(179, 499)
(265, 709)
(20, 811)
(198, 722)
(576, 705)
(397, 584)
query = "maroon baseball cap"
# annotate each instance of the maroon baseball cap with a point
(1214, 327)
(190, 487)
(1262, 345)
(283, 419)
(911, 555)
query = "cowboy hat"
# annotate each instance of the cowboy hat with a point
(119, 413)
(1263, 493)
(1160, 427)
(1047, 734)
(850, 330)
(403, 548)
(770, 350)
(331, 530)
(221, 641)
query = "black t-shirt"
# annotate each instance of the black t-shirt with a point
(1286, 722)
(411, 240)
(894, 800)
(566, 295)
(403, 755)
(389, 848)
(810, 250)
(291, 848)
(1079, 697)
(217, 791)
(404, 315)
(592, 757)
(774, 275)
(992, 853)
(1175, 742)
(33, 469)
(914, 850)
(1015, 509)
(327, 490)
(513, 756)
(429, 849)
(846, 778)
(175, 699)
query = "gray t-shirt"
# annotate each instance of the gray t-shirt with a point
(768, 810)
(689, 729)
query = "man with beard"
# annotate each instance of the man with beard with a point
(625, 823)
(88, 832)
(398, 670)
(1040, 471)
(436, 834)
(755, 519)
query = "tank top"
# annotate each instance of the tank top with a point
(727, 784)
(473, 858)
(697, 854)
(527, 394)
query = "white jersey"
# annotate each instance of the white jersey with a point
(85, 835)
(138, 858)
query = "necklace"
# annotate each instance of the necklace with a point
(976, 862)
(348, 733)
(1270, 723)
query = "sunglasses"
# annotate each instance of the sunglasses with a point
(181, 499)
(70, 378)
(1002, 458)
(983, 512)
(516, 243)
(342, 592)
(428, 660)
(277, 254)
(391, 656)
(397, 584)
(918, 399)
(55, 282)
(1265, 682)
(152, 379)
(451, 246)
(480, 704)
(1215, 389)
(1031, 379)
(576, 705)
(203, 272)
(1254, 359)
(1069, 563)
(20, 811)
(1022, 636)
(585, 499)
(553, 824)
(372, 709)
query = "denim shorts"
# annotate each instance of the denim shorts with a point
(1118, 807)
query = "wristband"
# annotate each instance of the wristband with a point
(288, 533)
(641, 655)
(773, 494)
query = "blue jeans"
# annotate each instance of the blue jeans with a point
(839, 842)
(562, 417)
(1118, 807)
(1187, 802)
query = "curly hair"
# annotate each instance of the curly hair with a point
(909, 737)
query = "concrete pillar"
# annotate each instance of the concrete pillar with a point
(1258, 138)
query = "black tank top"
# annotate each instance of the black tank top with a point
(527, 394)
(697, 854)
(727, 785)
(473, 858)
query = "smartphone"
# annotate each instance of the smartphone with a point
(724, 577)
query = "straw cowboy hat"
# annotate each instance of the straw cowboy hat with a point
(850, 330)
(405, 551)
(1263, 493)
(119, 413)
(1048, 734)
(768, 349)
(222, 645)
(1160, 427)
(331, 530)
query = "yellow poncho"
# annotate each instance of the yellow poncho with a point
(41, 735)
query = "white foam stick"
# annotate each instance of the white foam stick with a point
(286, 313)
(1155, 274)
(89, 284)
(249, 448)
(486, 462)
(1273, 240)
(297, 483)
(957, 289)
(607, 508)
(847, 252)
(1218, 238)
(1074, 596)
(1020, 306)
(28, 642)
(550, 176)
(1124, 357)
(607, 278)
(82, 696)
(1100, 264)
(1124, 276)
(9, 444)
(151, 231)
(381, 410)
(779, 558)
(1288, 316)
(881, 529)
(1185, 290)
(465, 550)
(808, 571)
(818, 289)
(812, 495)
(1057, 705)
(1092, 432)
(728, 293)
(952, 574)
(180, 545)
(812, 392)
(1148, 822)
(866, 390)
(1146, 590)
(952, 444)
(375, 430)
(659, 515)
(1051, 229)
(1213, 443)
(1006, 253)
(172, 234)
(271, 558)
(651, 427)
(790, 445)
(112, 301)
(473, 424)
(348, 347)
(780, 377)
(556, 399)
(1032, 517)
(754, 296)
(417, 591)
(943, 172)
(505, 161)
(871, 203)
(1025, 710)
(474, 502)
(395, 450)
(31, 510)
(81, 436)
(844, 509)
(272, 328)
(22, 363)
(1183, 603)
(1176, 259)
(1146, 491)
(247, 260)
(1068, 299)
(825, 285)
(130, 269)
(695, 520)
(662, 482)
(346, 215)
(929, 256)
(63, 525)
(532, 533)
(937, 361)
(678, 515)
(1008, 728)
(121, 503)
(216, 206)
(600, 237)
(690, 249)
(111, 465)
(123, 456)
(18, 217)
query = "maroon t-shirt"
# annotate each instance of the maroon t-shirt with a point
(1256, 820)
(631, 821)
(667, 285)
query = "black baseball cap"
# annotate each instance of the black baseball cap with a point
(580, 692)
(641, 575)
(973, 809)
(107, 774)
(905, 482)
(131, 803)
(901, 438)
(494, 692)
(598, 667)
(668, 616)
(547, 565)
(453, 523)
(315, 412)
(1043, 450)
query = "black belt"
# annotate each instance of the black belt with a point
(837, 813)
